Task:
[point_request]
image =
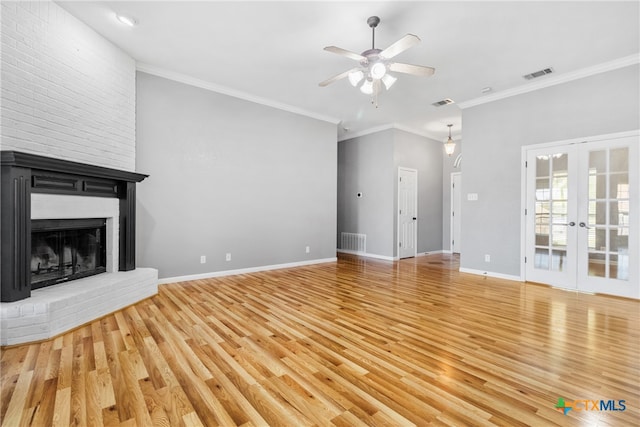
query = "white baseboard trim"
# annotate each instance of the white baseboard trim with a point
(491, 274)
(368, 255)
(243, 271)
(388, 258)
(441, 251)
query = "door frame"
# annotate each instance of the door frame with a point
(523, 182)
(451, 227)
(415, 229)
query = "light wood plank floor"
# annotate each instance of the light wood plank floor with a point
(357, 342)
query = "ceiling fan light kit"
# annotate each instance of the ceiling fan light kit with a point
(378, 70)
(374, 64)
(388, 80)
(367, 87)
(356, 77)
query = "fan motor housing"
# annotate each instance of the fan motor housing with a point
(373, 21)
(371, 55)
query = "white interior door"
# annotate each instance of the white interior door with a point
(582, 216)
(456, 204)
(407, 212)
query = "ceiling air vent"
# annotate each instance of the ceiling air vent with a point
(539, 73)
(445, 101)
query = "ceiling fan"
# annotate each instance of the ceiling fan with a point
(374, 64)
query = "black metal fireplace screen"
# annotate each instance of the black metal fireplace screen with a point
(66, 249)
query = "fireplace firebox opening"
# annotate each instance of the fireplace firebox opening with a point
(66, 249)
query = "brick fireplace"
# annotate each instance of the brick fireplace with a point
(36, 189)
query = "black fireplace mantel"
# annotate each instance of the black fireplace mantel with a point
(23, 174)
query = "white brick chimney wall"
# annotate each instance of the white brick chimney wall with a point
(66, 91)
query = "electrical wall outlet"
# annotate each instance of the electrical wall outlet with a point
(203, 259)
(228, 257)
(487, 258)
(307, 249)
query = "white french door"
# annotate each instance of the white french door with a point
(582, 226)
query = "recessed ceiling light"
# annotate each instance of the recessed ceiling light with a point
(126, 20)
(486, 89)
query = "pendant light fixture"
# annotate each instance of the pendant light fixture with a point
(449, 145)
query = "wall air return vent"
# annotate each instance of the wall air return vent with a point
(445, 101)
(539, 73)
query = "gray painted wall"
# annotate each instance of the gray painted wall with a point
(369, 164)
(365, 165)
(424, 154)
(230, 176)
(494, 134)
(447, 170)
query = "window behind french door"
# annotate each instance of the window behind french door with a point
(582, 216)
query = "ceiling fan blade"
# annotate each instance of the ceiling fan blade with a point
(344, 52)
(400, 46)
(416, 70)
(337, 77)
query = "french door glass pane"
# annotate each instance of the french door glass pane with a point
(619, 211)
(558, 260)
(619, 185)
(542, 239)
(597, 161)
(560, 163)
(620, 267)
(597, 238)
(620, 160)
(619, 239)
(559, 187)
(597, 212)
(559, 236)
(597, 186)
(597, 264)
(541, 260)
(542, 166)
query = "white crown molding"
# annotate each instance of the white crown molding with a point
(203, 84)
(415, 131)
(365, 132)
(554, 80)
(381, 128)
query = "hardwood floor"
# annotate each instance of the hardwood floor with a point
(357, 342)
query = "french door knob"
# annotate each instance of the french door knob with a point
(573, 224)
(582, 224)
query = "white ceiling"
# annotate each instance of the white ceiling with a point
(274, 50)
